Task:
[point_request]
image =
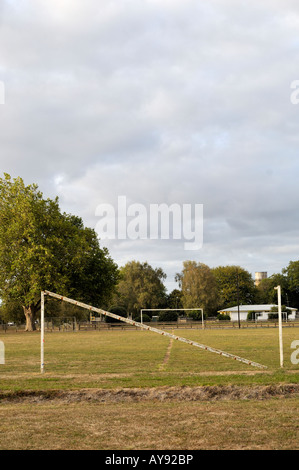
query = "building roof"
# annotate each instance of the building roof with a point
(254, 308)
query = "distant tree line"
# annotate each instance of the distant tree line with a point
(222, 287)
(141, 287)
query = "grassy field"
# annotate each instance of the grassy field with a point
(109, 359)
(113, 361)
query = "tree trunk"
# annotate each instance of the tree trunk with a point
(30, 315)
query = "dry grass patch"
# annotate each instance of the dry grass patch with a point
(150, 424)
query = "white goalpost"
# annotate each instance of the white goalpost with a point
(42, 331)
(172, 309)
(133, 323)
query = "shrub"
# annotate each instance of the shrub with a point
(196, 315)
(223, 316)
(117, 311)
(251, 315)
(145, 318)
(168, 316)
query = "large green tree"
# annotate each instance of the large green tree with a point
(174, 299)
(140, 286)
(291, 292)
(199, 288)
(266, 294)
(235, 284)
(288, 280)
(42, 248)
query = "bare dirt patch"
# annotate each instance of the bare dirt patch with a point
(203, 393)
(167, 355)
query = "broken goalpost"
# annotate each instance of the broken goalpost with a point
(133, 323)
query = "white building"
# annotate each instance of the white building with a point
(261, 312)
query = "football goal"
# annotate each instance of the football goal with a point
(134, 323)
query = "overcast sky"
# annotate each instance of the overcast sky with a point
(160, 101)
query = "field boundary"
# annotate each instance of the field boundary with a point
(73, 325)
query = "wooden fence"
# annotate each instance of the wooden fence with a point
(63, 325)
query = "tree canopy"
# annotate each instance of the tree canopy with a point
(288, 279)
(42, 248)
(235, 284)
(198, 285)
(140, 286)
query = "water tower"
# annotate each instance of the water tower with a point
(259, 276)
